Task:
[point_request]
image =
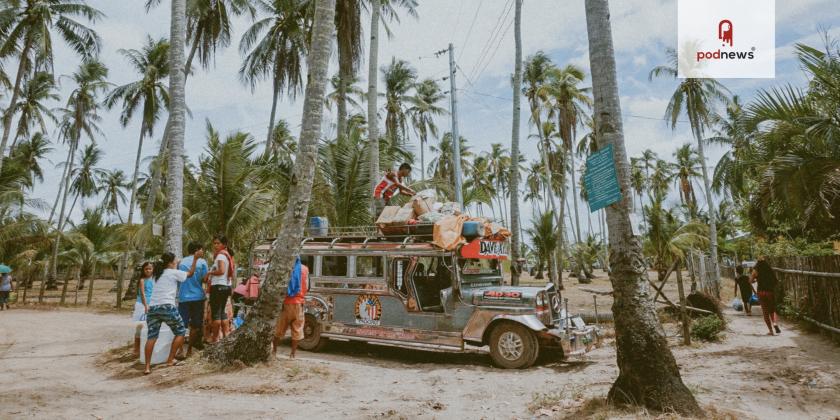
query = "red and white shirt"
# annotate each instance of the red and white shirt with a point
(387, 186)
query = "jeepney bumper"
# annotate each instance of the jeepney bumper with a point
(574, 341)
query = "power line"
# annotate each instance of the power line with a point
(469, 31)
(487, 63)
(493, 34)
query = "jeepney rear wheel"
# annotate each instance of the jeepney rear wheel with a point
(312, 340)
(513, 346)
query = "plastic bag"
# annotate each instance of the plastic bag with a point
(162, 346)
(737, 305)
(753, 299)
(450, 209)
(427, 194)
(430, 217)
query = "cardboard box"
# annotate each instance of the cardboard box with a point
(387, 215)
(403, 215)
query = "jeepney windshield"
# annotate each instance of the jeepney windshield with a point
(477, 272)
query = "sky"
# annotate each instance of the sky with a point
(482, 34)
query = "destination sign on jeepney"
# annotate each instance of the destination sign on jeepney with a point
(485, 249)
(601, 179)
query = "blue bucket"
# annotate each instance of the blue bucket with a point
(319, 226)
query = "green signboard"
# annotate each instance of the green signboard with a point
(601, 179)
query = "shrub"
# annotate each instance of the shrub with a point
(707, 328)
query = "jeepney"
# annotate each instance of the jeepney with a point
(410, 293)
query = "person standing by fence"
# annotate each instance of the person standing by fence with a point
(765, 277)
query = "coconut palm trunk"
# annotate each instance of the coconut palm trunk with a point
(712, 213)
(373, 123)
(8, 115)
(648, 372)
(252, 342)
(131, 204)
(574, 193)
(175, 176)
(269, 144)
(61, 186)
(62, 218)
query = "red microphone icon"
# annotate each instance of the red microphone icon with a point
(725, 31)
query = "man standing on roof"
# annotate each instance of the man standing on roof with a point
(391, 183)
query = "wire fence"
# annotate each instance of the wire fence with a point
(703, 274)
(810, 286)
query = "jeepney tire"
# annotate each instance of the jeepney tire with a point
(530, 348)
(313, 342)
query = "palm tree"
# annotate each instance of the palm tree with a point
(685, 171)
(28, 154)
(425, 107)
(344, 167)
(570, 102)
(353, 95)
(639, 182)
(441, 168)
(86, 175)
(113, 185)
(150, 96)
(538, 69)
(372, 96)
(499, 163)
(275, 47)
(32, 109)
(177, 123)
(231, 193)
(28, 30)
(250, 343)
(544, 237)
(696, 98)
(669, 239)
(730, 176)
(636, 325)
(400, 79)
(516, 240)
(79, 117)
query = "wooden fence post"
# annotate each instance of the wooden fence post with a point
(41, 292)
(683, 313)
(78, 283)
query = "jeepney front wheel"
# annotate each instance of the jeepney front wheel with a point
(312, 340)
(513, 346)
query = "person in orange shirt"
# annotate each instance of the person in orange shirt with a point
(292, 315)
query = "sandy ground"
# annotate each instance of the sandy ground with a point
(74, 364)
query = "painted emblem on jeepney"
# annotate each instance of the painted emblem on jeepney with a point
(368, 310)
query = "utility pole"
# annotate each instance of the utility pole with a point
(456, 139)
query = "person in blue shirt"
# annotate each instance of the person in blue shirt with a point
(141, 306)
(191, 295)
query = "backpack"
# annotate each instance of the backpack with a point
(293, 289)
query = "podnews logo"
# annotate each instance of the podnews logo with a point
(726, 36)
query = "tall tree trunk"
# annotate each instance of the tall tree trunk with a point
(556, 276)
(61, 186)
(175, 176)
(345, 73)
(574, 192)
(648, 373)
(9, 114)
(131, 204)
(423, 159)
(61, 216)
(251, 342)
(712, 211)
(269, 144)
(373, 123)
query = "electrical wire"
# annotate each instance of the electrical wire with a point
(493, 34)
(469, 31)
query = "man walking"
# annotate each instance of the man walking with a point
(292, 315)
(191, 295)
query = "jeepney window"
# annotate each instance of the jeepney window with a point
(367, 266)
(309, 262)
(334, 266)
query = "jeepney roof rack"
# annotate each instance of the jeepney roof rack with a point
(364, 235)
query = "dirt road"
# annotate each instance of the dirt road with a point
(56, 364)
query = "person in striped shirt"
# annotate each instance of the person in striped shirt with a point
(390, 184)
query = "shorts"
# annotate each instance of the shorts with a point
(292, 316)
(168, 314)
(767, 300)
(218, 300)
(192, 313)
